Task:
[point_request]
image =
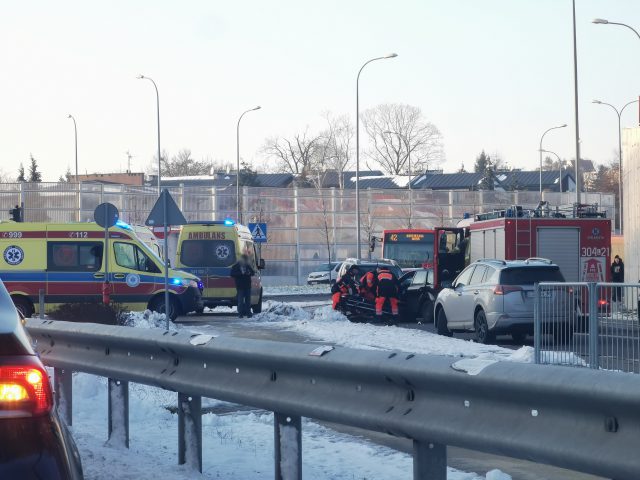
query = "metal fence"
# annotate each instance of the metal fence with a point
(578, 419)
(594, 325)
(297, 239)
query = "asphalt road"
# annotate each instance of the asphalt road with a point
(224, 322)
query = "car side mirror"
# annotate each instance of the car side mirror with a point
(447, 284)
(262, 264)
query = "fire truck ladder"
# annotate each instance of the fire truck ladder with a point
(523, 238)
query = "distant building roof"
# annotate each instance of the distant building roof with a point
(504, 180)
(268, 180)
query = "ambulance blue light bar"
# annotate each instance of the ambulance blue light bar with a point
(122, 224)
(227, 223)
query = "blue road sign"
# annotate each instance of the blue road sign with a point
(258, 232)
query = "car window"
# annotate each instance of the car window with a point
(420, 278)
(530, 275)
(489, 275)
(74, 256)
(464, 277)
(133, 257)
(478, 275)
(430, 277)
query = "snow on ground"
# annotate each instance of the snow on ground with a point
(236, 446)
(296, 290)
(330, 326)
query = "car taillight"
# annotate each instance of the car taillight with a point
(602, 302)
(504, 289)
(24, 388)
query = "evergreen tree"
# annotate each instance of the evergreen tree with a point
(247, 176)
(21, 177)
(481, 163)
(34, 174)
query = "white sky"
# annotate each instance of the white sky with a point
(491, 74)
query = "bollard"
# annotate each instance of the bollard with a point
(63, 393)
(190, 431)
(41, 302)
(118, 413)
(429, 461)
(288, 446)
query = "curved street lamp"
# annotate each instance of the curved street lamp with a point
(602, 21)
(390, 55)
(238, 219)
(559, 165)
(619, 113)
(540, 150)
(75, 136)
(142, 77)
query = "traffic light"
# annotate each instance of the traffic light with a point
(16, 214)
(372, 243)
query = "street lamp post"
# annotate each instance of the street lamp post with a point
(403, 138)
(559, 166)
(238, 219)
(75, 137)
(358, 240)
(142, 77)
(602, 21)
(540, 150)
(619, 113)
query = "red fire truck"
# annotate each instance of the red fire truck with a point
(578, 240)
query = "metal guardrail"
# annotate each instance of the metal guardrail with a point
(578, 419)
(592, 325)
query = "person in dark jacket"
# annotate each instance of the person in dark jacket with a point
(346, 285)
(617, 276)
(242, 273)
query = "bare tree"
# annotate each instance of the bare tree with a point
(399, 131)
(297, 155)
(5, 177)
(325, 223)
(338, 139)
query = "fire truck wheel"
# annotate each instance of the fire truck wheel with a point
(441, 324)
(24, 306)
(483, 335)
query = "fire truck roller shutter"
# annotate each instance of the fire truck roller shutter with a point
(500, 241)
(562, 246)
(477, 245)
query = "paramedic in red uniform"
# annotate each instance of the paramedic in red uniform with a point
(368, 285)
(346, 285)
(387, 289)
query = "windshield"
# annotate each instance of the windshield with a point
(410, 250)
(530, 275)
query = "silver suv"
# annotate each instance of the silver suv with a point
(492, 297)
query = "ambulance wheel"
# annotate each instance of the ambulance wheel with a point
(258, 307)
(157, 305)
(24, 306)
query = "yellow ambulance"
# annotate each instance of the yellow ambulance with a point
(208, 250)
(66, 262)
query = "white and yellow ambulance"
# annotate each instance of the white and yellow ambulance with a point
(208, 250)
(66, 261)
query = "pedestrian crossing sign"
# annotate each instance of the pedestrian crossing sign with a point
(258, 232)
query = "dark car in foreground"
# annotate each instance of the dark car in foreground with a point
(34, 443)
